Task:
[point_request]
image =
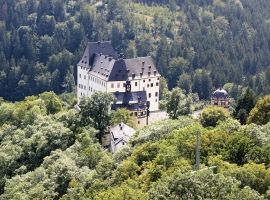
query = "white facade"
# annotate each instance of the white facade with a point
(89, 83)
(99, 72)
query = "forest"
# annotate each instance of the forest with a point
(48, 150)
(197, 45)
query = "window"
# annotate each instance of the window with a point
(149, 79)
(143, 88)
(118, 85)
(124, 84)
(123, 143)
(135, 83)
(156, 83)
(138, 122)
(79, 85)
(85, 87)
(80, 75)
(91, 89)
(112, 85)
(149, 95)
(156, 94)
(144, 81)
(158, 78)
(147, 85)
(135, 113)
(156, 100)
(151, 84)
(84, 76)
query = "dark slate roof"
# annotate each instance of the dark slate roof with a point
(121, 69)
(119, 72)
(102, 66)
(220, 93)
(104, 48)
(126, 97)
(142, 66)
(99, 56)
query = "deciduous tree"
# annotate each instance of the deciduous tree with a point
(212, 114)
(178, 103)
(123, 115)
(260, 114)
(95, 111)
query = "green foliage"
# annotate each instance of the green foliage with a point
(177, 103)
(95, 111)
(211, 115)
(260, 113)
(121, 192)
(125, 170)
(48, 157)
(163, 88)
(204, 184)
(123, 115)
(52, 102)
(245, 104)
(159, 130)
(238, 146)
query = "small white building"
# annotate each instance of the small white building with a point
(100, 69)
(120, 135)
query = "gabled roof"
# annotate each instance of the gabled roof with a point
(102, 66)
(130, 97)
(141, 67)
(121, 130)
(102, 61)
(103, 48)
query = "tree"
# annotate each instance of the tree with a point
(178, 103)
(245, 104)
(117, 36)
(238, 146)
(260, 114)
(184, 82)
(199, 185)
(95, 111)
(212, 114)
(52, 102)
(123, 115)
(163, 87)
(177, 66)
(131, 50)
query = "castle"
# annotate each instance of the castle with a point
(134, 82)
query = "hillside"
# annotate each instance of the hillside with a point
(48, 150)
(46, 153)
(206, 43)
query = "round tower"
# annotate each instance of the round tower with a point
(221, 98)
